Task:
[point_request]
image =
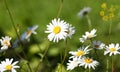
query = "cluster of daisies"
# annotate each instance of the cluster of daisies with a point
(8, 64)
(59, 29)
(25, 37)
(79, 57)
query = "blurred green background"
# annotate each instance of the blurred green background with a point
(31, 12)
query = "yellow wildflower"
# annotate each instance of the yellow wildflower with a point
(102, 13)
(111, 15)
(112, 9)
(105, 18)
(104, 5)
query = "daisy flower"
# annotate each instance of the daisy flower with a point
(88, 35)
(112, 49)
(88, 62)
(71, 30)
(57, 30)
(81, 52)
(83, 39)
(73, 63)
(31, 30)
(98, 45)
(25, 37)
(84, 12)
(91, 34)
(8, 65)
(5, 42)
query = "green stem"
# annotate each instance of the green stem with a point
(89, 22)
(112, 64)
(107, 62)
(89, 70)
(65, 54)
(13, 24)
(12, 20)
(110, 26)
(60, 8)
(29, 67)
(37, 68)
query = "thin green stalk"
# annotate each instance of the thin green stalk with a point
(15, 29)
(60, 8)
(37, 68)
(107, 62)
(89, 70)
(110, 26)
(85, 70)
(29, 67)
(12, 20)
(61, 58)
(89, 22)
(64, 57)
(112, 64)
(65, 54)
(23, 59)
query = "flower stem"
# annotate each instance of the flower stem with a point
(89, 70)
(60, 8)
(37, 68)
(14, 27)
(107, 62)
(89, 22)
(112, 64)
(65, 54)
(12, 20)
(110, 26)
(29, 67)
(24, 59)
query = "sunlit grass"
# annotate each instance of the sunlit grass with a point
(41, 55)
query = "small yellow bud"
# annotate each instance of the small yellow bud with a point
(104, 5)
(105, 18)
(102, 13)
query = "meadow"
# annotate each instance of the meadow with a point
(27, 25)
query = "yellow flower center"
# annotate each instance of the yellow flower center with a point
(112, 49)
(8, 67)
(29, 32)
(57, 29)
(80, 53)
(7, 43)
(96, 46)
(89, 36)
(88, 60)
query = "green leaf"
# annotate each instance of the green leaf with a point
(60, 68)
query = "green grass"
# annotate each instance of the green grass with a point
(29, 12)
